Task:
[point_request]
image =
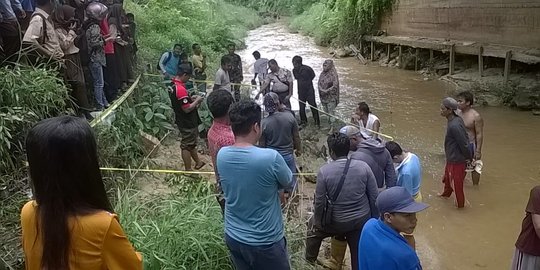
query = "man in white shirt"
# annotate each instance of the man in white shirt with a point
(260, 68)
(222, 80)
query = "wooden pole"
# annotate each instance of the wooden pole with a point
(431, 56)
(452, 59)
(481, 61)
(507, 63)
(388, 51)
(416, 59)
(400, 56)
(372, 51)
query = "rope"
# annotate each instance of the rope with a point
(167, 171)
(350, 124)
(115, 105)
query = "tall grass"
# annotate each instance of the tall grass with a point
(179, 230)
(341, 21)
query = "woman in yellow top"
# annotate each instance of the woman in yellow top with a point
(70, 224)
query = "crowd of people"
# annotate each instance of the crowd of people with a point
(77, 38)
(366, 196)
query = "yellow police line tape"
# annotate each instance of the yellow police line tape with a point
(116, 103)
(177, 171)
(200, 81)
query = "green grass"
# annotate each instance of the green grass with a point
(178, 230)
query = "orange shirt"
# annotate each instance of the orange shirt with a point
(97, 242)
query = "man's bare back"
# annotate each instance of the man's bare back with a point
(475, 130)
(470, 117)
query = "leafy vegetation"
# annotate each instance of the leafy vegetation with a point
(341, 21)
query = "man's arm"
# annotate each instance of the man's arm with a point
(296, 139)
(192, 106)
(282, 172)
(291, 84)
(319, 199)
(311, 74)
(389, 171)
(376, 127)
(372, 192)
(240, 68)
(265, 85)
(162, 60)
(479, 129)
(460, 135)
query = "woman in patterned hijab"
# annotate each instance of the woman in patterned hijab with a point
(329, 89)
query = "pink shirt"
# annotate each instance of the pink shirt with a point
(219, 135)
(109, 45)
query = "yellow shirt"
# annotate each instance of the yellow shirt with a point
(97, 242)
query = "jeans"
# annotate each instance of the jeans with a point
(291, 163)
(308, 97)
(266, 257)
(97, 75)
(330, 108)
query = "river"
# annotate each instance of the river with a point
(482, 235)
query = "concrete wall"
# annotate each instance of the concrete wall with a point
(506, 22)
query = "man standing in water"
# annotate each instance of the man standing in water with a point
(260, 68)
(475, 129)
(456, 148)
(306, 93)
(251, 177)
(235, 73)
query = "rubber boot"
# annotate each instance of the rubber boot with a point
(337, 254)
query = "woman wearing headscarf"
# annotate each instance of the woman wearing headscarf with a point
(116, 27)
(65, 25)
(329, 90)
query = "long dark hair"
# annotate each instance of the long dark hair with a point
(66, 181)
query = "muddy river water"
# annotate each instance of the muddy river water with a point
(482, 235)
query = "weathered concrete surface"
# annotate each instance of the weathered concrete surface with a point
(505, 22)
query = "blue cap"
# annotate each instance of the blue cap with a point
(398, 200)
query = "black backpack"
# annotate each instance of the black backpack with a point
(169, 56)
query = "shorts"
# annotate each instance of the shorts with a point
(190, 138)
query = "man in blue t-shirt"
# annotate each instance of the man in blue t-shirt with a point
(381, 245)
(409, 170)
(250, 178)
(169, 61)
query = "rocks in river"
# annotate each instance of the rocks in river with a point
(341, 52)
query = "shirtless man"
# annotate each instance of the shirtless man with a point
(475, 129)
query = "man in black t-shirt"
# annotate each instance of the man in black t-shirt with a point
(306, 93)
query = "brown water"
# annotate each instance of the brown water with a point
(482, 235)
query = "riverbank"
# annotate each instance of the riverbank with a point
(408, 106)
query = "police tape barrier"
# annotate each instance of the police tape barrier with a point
(201, 81)
(115, 105)
(177, 171)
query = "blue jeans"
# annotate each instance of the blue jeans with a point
(96, 69)
(291, 163)
(267, 257)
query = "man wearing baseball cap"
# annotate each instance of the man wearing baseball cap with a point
(381, 245)
(456, 149)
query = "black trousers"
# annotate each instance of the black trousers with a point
(351, 234)
(10, 41)
(308, 97)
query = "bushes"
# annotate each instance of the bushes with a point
(212, 24)
(341, 21)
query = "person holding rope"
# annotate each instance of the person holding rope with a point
(353, 191)
(279, 81)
